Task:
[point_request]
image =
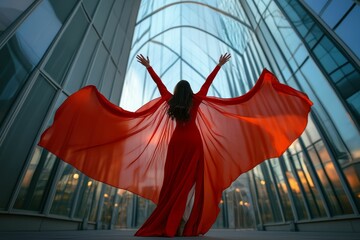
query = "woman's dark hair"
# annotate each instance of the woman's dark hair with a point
(181, 102)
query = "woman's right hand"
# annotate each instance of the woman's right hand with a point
(144, 61)
(224, 58)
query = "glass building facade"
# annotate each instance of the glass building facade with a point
(312, 46)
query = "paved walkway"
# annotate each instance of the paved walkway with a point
(211, 235)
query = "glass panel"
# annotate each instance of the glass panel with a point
(21, 136)
(354, 102)
(108, 206)
(108, 79)
(123, 208)
(86, 198)
(334, 108)
(66, 48)
(142, 211)
(283, 189)
(352, 174)
(81, 66)
(335, 11)
(39, 174)
(90, 6)
(242, 214)
(116, 93)
(97, 67)
(317, 5)
(110, 30)
(102, 15)
(335, 195)
(26, 47)
(296, 191)
(10, 10)
(311, 192)
(66, 190)
(331, 182)
(346, 31)
(264, 200)
(220, 220)
(95, 203)
(35, 184)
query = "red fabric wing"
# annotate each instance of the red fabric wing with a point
(240, 133)
(124, 149)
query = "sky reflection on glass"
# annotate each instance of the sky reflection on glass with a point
(185, 41)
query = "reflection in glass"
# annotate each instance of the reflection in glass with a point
(339, 203)
(264, 200)
(240, 208)
(26, 47)
(95, 203)
(66, 48)
(86, 195)
(10, 10)
(352, 174)
(123, 209)
(66, 190)
(36, 181)
(295, 190)
(82, 64)
(312, 195)
(108, 206)
(22, 133)
(282, 189)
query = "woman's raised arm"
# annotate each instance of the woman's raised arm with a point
(205, 87)
(146, 62)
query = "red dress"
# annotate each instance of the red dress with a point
(184, 168)
(148, 154)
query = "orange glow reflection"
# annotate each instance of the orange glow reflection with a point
(293, 184)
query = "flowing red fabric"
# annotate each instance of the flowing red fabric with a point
(136, 151)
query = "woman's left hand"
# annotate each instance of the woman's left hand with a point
(144, 61)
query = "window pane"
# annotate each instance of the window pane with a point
(108, 79)
(36, 181)
(97, 67)
(264, 200)
(10, 10)
(95, 203)
(102, 14)
(123, 209)
(66, 190)
(283, 189)
(335, 11)
(81, 66)
(240, 207)
(317, 5)
(86, 195)
(295, 190)
(65, 50)
(39, 173)
(346, 30)
(352, 174)
(312, 194)
(90, 6)
(21, 136)
(329, 178)
(26, 47)
(108, 206)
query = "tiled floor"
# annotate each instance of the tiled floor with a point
(212, 235)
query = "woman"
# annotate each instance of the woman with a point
(207, 145)
(184, 161)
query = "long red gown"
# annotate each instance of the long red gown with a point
(148, 154)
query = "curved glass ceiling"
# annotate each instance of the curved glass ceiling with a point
(184, 40)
